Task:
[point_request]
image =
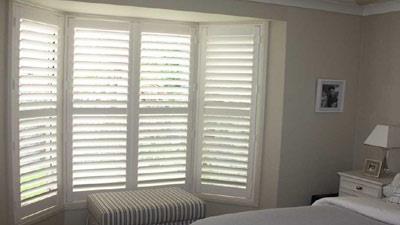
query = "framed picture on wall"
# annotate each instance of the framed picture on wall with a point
(330, 95)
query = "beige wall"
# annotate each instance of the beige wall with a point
(379, 81)
(274, 114)
(304, 149)
(3, 187)
(316, 146)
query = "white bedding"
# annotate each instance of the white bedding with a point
(374, 208)
(331, 211)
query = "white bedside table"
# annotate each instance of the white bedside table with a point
(355, 183)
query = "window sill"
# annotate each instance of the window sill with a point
(75, 205)
(36, 218)
(224, 199)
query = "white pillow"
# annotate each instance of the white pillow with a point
(396, 181)
(388, 190)
(395, 197)
(392, 191)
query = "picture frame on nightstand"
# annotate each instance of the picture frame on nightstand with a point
(373, 168)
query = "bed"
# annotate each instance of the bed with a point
(329, 211)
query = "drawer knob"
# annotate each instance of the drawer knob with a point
(359, 188)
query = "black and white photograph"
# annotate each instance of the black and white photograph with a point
(330, 95)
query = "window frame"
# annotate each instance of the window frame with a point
(135, 27)
(39, 209)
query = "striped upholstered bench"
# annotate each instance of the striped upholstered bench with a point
(164, 206)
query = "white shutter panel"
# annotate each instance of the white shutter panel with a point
(226, 109)
(37, 85)
(163, 119)
(99, 105)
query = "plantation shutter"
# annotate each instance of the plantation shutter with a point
(227, 102)
(36, 114)
(99, 106)
(163, 103)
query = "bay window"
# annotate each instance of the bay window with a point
(134, 104)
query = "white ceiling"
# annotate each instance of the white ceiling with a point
(364, 7)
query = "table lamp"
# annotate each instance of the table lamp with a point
(387, 137)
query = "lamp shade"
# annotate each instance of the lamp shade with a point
(384, 136)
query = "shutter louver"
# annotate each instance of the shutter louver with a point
(227, 104)
(100, 98)
(37, 87)
(101, 60)
(37, 66)
(38, 158)
(99, 152)
(163, 119)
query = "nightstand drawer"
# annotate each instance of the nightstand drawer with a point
(348, 193)
(355, 183)
(360, 188)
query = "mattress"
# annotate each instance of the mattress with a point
(328, 212)
(324, 215)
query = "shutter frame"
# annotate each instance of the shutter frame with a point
(166, 36)
(50, 204)
(249, 195)
(112, 119)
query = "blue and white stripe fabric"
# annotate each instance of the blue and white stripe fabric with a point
(164, 206)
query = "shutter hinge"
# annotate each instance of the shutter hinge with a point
(256, 89)
(194, 88)
(66, 84)
(14, 85)
(195, 40)
(65, 144)
(258, 39)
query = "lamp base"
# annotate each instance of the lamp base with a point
(385, 167)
